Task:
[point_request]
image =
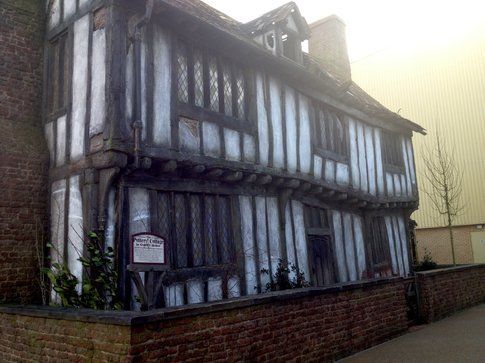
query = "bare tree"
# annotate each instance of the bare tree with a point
(444, 183)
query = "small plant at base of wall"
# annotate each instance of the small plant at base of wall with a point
(427, 263)
(98, 289)
(281, 278)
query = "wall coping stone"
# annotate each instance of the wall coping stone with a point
(446, 270)
(130, 318)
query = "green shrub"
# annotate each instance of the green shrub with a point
(281, 278)
(427, 263)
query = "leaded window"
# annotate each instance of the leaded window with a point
(391, 149)
(330, 131)
(57, 74)
(182, 74)
(381, 257)
(199, 228)
(207, 81)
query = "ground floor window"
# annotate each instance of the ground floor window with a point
(381, 257)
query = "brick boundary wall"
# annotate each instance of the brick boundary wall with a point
(23, 152)
(314, 324)
(443, 292)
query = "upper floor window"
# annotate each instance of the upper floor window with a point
(330, 131)
(207, 81)
(391, 149)
(57, 75)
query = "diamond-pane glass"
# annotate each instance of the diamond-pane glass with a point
(198, 79)
(210, 231)
(182, 74)
(180, 230)
(213, 85)
(227, 91)
(225, 242)
(196, 230)
(323, 132)
(240, 86)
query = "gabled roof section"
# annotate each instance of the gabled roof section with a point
(276, 16)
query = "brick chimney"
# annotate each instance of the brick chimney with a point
(328, 45)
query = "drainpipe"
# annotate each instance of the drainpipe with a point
(136, 32)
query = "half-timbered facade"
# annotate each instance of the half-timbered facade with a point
(226, 139)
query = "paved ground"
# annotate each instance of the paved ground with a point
(459, 338)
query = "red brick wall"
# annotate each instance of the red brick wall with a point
(445, 291)
(23, 156)
(309, 324)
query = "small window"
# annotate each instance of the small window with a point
(391, 149)
(291, 47)
(207, 81)
(381, 257)
(199, 226)
(321, 246)
(57, 75)
(331, 131)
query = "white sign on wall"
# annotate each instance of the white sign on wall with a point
(148, 249)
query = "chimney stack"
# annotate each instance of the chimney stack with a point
(328, 45)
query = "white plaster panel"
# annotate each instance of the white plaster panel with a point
(139, 210)
(354, 156)
(75, 232)
(404, 244)
(249, 148)
(404, 189)
(214, 289)
(392, 245)
(247, 236)
(61, 141)
(69, 9)
(79, 86)
(233, 287)
(305, 136)
(232, 144)
(397, 185)
(83, 3)
(330, 171)
(390, 184)
(49, 136)
(362, 158)
(195, 291)
(399, 250)
(317, 166)
(379, 167)
(262, 238)
(98, 83)
(339, 246)
(129, 86)
(162, 78)
(371, 165)
(58, 197)
(174, 295)
(342, 174)
(276, 122)
(409, 190)
(143, 91)
(360, 248)
(189, 138)
(349, 246)
(263, 137)
(290, 113)
(212, 139)
(290, 246)
(291, 24)
(54, 14)
(273, 232)
(110, 221)
(300, 238)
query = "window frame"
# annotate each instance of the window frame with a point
(392, 156)
(204, 113)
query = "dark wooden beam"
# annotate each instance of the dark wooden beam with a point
(169, 166)
(292, 183)
(250, 178)
(232, 176)
(214, 173)
(264, 179)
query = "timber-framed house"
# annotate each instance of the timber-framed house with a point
(241, 150)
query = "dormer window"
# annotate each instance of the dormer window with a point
(281, 32)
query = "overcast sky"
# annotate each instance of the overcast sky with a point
(375, 25)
